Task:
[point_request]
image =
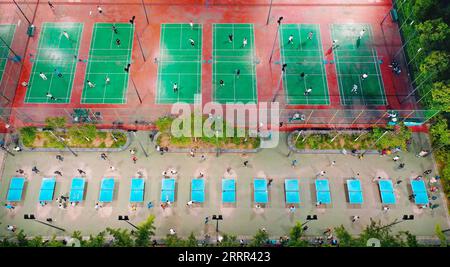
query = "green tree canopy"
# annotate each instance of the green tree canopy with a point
(433, 34)
(261, 237)
(441, 95)
(436, 64)
(122, 238)
(228, 241)
(145, 232)
(295, 236)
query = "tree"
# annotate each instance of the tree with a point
(439, 132)
(441, 235)
(346, 239)
(425, 9)
(441, 95)
(122, 238)
(145, 231)
(53, 242)
(173, 241)
(82, 134)
(436, 64)
(228, 241)
(433, 34)
(22, 240)
(55, 122)
(37, 241)
(191, 241)
(295, 236)
(96, 241)
(261, 237)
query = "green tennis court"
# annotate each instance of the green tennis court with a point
(356, 56)
(179, 64)
(228, 58)
(55, 55)
(107, 61)
(304, 54)
(6, 34)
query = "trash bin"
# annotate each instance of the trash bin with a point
(31, 30)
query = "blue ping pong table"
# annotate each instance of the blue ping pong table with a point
(323, 194)
(198, 190)
(261, 194)
(291, 190)
(107, 190)
(386, 191)
(228, 190)
(137, 190)
(354, 188)
(420, 191)
(168, 190)
(15, 190)
(47, 189)
(77, 189)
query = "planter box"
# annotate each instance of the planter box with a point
(292, 147)
(79, 149)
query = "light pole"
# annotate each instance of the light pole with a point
(32, 217)
(217, 144)
(217, 218)
(268, 15)
(310, 218)
(139, 142)
(283, 69)
(125, 218)
(276, 36)
(396, 221)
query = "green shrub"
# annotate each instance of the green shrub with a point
(102, 135)
(121, 139)
(82, 134)
(55, 122)
(28, 135)
(164, 123)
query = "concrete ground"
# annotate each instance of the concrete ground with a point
(243, 219)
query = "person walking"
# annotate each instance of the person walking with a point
(310, 35)
(364, 76)
(35, 170)
(97, 206)
(294, 163)
(189, 204)
(238, 73)
(203, 158)
(42, 75)
(361, 34)
(396, 158)
(90, 84)
(354, 89)
(99, 9)
(175, 87)
(427, 172)
(132, 19)
(269, 182)
(50, 4)
(11, 228)
(57, 72)
(244, 42)
(291, 39)
(58, 173)
(114, 28)
(49, 95)
(65, 35)
(103, 156)
(355, 218)
(192, 42)
(127, 68)
(230, 38)
(246, 163)
(221, 83)
(118, 42)
(191, 24)
(81, 172)
(107, 80)
(333, 163)
(335, 44)
(307, 91)
(302, 75)
(20, 171)
(322, 173)
(134, 158)
(59, 157)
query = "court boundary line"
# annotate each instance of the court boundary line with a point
(325, 97)
(9, 52)
(79, 26)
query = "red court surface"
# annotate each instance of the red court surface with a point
(144, 73)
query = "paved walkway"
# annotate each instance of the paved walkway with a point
(242, 220)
